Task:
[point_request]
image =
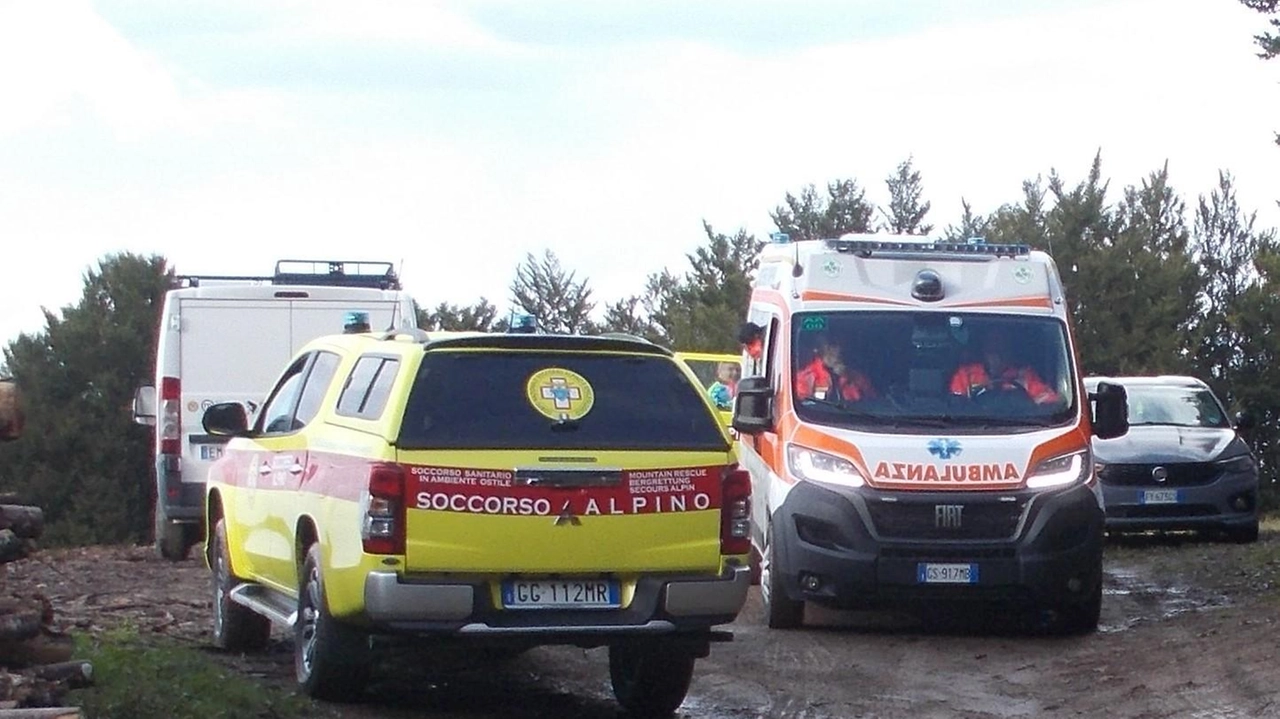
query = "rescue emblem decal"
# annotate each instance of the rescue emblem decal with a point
(1022, 275)
(944, 448)
(560, 394)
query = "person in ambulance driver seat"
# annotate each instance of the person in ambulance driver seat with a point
(996, 372)
(818, 379)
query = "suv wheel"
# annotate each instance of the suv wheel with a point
(330, 658)
(235, 628)
(1244, 534)
(648, 681)
(780, 610)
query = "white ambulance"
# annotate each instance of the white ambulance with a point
(223, 339)
(916, 428)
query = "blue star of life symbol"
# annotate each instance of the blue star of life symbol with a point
(944, 448)
(560, 393)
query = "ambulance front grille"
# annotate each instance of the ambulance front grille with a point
(935, 520)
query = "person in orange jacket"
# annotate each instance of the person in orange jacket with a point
(827, 373)
(996, 372)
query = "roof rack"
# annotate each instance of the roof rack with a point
(328, 273)
(865, 248)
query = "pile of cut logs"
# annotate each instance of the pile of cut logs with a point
(36, 665)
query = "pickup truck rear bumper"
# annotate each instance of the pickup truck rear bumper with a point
(660, 604)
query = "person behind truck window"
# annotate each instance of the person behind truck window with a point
(725, 387)
(997, 372)
(827, 371)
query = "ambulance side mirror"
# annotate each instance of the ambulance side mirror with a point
(226, 419)
(1110, 411)
(12, 415)
(753, 407)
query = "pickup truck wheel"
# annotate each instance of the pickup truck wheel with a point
(648, 681)
(235, 628)
(780, 610)
(330, 658)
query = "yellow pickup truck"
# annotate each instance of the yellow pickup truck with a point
(516, 490)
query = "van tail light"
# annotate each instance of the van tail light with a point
(382, 529)
(735, 513)
(170, 421)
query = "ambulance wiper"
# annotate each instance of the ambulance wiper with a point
(1000, 421)
(840, 407)
(566, 425)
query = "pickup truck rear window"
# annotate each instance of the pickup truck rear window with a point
(480, 400)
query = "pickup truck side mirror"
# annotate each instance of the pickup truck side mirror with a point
(12, 415)
(226, 419)
(144, 406)
(1111, 411)
(753, 407)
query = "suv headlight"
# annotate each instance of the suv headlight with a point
(1237, 465)
(815, 466)
(1061, 471)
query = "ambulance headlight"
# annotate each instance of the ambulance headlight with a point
(814, 466)
(1061, 471)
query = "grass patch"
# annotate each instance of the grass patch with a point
(163, 678)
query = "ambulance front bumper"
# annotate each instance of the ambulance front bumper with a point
(659, 605)
(848, 548)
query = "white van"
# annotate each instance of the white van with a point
(222, 339)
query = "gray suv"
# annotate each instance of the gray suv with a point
(1182, 466)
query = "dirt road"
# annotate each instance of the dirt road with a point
(1189, 630)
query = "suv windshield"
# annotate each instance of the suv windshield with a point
(486, 400)
(1179, 406)
(929, 370)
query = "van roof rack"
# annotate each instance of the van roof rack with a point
(327, 273)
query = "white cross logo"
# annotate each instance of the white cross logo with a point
(561, 394)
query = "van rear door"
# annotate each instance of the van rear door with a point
(231, 351)
(559, 462)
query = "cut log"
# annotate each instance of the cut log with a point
(19, 626)
(13, 547)
(42, 713)
(45, 648)
(25, 521)
(76, 674)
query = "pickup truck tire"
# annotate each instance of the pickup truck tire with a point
(236, 628)
(649, 680)
(330, 658)
(780, 610)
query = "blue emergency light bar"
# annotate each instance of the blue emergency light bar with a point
(866, 247)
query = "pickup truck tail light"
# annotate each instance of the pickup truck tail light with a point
(735, 513)
(382, 529)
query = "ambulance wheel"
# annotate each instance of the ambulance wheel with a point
(780, 610)
(330, 658)
(1080, 618)
(236, 628)
(647, 681)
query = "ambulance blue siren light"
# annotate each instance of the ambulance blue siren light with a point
(779, 238)
(969, 247)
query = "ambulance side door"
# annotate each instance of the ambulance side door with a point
(768, 444)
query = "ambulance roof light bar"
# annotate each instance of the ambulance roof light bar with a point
(975, 246)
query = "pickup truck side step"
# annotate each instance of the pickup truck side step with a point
(279, 608)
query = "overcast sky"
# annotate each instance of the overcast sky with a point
(454, 137)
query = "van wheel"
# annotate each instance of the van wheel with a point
(780, 610)
(330, 658)
(648, 681)
(235, 628)
(171, 539)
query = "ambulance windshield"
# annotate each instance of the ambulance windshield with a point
(931, 370)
